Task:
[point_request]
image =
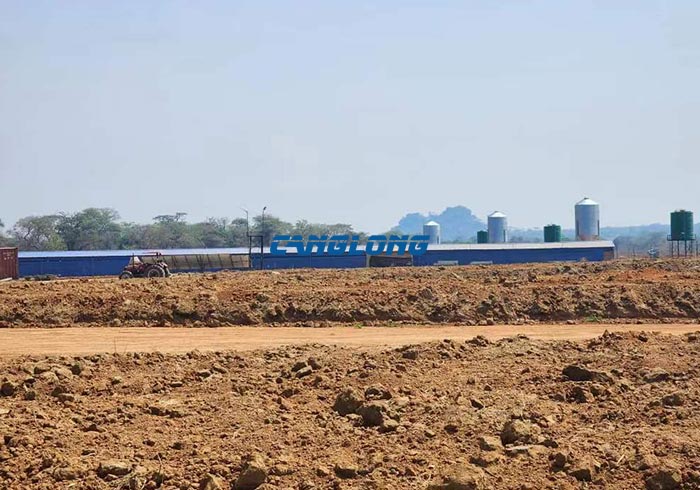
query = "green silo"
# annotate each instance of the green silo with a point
(682, 227)
(552, 233)
(482, 236)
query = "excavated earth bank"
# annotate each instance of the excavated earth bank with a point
(616, 291)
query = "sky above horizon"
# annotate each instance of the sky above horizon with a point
(354, 112)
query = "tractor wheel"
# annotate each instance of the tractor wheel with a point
(155, 271)
(126, 275)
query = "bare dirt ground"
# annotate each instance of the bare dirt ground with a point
(397, 392)
(79, 341)
(617, 291)
(618, 411)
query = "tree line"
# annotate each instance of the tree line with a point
(101, 229)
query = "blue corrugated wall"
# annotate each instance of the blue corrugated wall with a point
(316, 262)
(512, 256)
(113, 265)
(71, 266)
(80, 266)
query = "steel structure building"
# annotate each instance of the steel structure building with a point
(111, 262)
(516, 253)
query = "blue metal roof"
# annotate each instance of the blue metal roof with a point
(129, 253)
(523, 246)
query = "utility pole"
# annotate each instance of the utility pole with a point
(250, 239)
(262, 238)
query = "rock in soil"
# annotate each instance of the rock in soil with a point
(583, 470)
(490, 443)
(348, 401)
(346, 469)
(374, 413)
(8, 388)
(657, 375)
(579, 373)
(673, 400)
(113, 468)
(463, 477)
(664, 479)
(253, 475)
(211, 482)
(518, 431)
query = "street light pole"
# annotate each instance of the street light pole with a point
(262, 238)
(250, 240)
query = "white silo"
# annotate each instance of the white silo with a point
(432, 229)
(498, 227)
(587, 213)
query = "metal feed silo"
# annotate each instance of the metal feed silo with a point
(587, 213)
(498, 227)
(432, 229)
(482, 236)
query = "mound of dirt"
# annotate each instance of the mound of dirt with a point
(616, 291)
(619, 411)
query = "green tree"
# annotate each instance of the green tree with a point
(237, 233)
(164, 219)
(213, 233)
(172, 231)
(5, 241)
(272, 226)
(90, 229)
(303, 227)
(98, 228)
(38, 233)
(133, 236)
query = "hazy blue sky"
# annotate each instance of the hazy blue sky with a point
(350, 111)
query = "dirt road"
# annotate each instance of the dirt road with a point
(83, 341)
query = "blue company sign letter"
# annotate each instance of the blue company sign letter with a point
(347, 244)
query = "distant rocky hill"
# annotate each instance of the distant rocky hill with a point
(457, 223)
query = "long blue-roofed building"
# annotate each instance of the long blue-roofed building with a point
(111, 262)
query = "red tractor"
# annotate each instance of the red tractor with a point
(139, 268)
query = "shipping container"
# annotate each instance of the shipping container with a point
(9, 263)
